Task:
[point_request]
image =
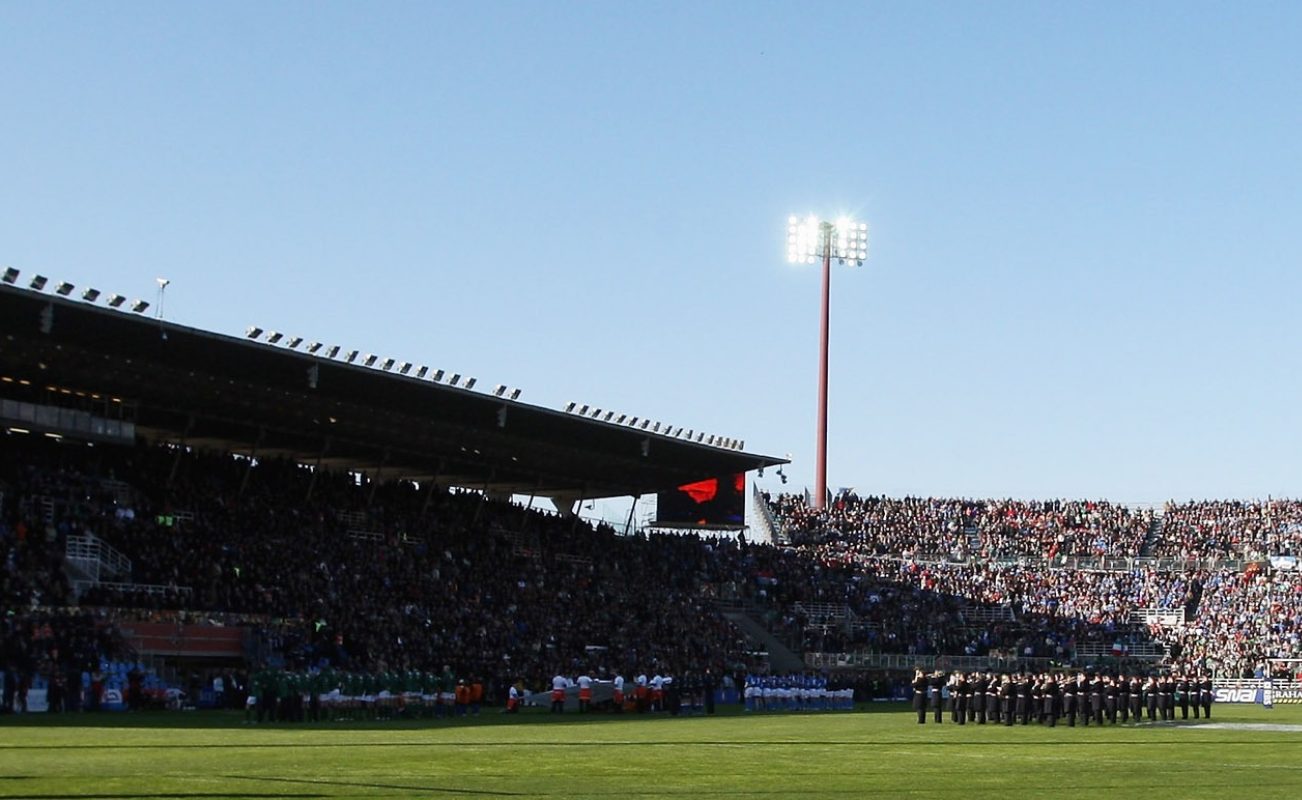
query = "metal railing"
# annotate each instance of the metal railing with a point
(905, 661)
(80, 586)
(1168, 617)
(96, 558)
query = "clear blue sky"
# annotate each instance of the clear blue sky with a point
(1086, 218)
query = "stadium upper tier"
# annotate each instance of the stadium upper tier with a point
(173, 383)
(962, 529)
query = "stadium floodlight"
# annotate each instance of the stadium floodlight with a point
(422, 372)
(253, 332)
(90, 295)
(809, 239)
(608, 416)
(656, 428)
(313, 347)
(499, 390)
(370, 359)
(351, 357)
(387, 365)
(455, 379)
(139, 306)
(294, 342)
(38, 283)
(332, 351)
(632, 421)
(437, 376)
(596, 412)
(569, 408)
(470, 383)
(405, 367)
(515, 394)
(645, 423)
(700, 437)
(116, 301)
(621, 419)
(64, 289)
(10, 276)
(275, 336)
(583, 410)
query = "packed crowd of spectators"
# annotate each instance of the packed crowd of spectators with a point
(965, 528)
(370, 578)
(327, 569)
(1244, 619)
(1240, 529)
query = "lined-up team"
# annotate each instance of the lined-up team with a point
(1047, 698)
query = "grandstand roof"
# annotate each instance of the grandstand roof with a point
(205, 389)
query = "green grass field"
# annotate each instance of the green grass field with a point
(877, 753)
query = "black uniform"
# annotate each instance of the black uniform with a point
(1069, 702)
(1182, 696)
(938, 696)
(1123, 698)
(1166, 693)
(1083, 701)
(1150, 698)
(1008, 700)
(992, 698)
(978, 708)
(1110, 700)
(920, 698)
(1096, 699)
(1136, 698)
(1206, 693)
(1049, 697)
(1022, 685)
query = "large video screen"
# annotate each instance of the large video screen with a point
(711, 503)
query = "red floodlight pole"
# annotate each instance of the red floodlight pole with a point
(806, 240)
(820, 475)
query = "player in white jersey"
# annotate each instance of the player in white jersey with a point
(585, 692)
(559, 684)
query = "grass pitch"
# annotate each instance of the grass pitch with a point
(877, 753)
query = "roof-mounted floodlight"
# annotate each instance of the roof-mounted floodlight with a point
(515, 394)
(422, 372)
(655, 428)
(313, 347)
(275, 336)
(633, 421)
(700, 437)
(645, 423)
(387, 365)
(294, 342)
(437, 376)
(370, 359)
(499, 390)
(455, 379)
(405, 367)
(470, 383)
(609, 414)
(139, 306)
(116, 301)
(583, 410)
(569, 407)
(10, 276)
(64, 289)
(596, 412)
(620, 419)
(351, 357)
(253, 332)
(90, 295)
(38, 283)
(332, 351)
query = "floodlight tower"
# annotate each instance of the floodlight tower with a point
(845, 240)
